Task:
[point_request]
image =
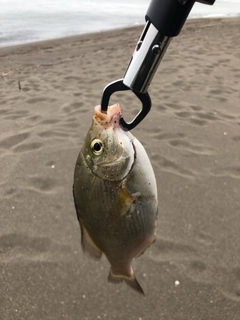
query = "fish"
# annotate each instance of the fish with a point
(115, 196)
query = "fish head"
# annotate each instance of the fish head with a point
(108, 150)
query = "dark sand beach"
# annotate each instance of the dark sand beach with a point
(192, 137)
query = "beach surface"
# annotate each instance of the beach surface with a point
(192, 136)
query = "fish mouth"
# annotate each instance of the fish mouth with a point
(113, 115)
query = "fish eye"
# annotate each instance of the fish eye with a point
(97, 147)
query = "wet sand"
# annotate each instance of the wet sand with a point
(192, 136)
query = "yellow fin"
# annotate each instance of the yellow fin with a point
(121, 205)
(88, 245)
(130, 280)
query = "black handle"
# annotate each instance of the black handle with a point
(169, 16)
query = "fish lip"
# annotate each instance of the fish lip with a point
(112, 116)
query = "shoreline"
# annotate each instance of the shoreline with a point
(102, 34)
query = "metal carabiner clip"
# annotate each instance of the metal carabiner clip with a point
(118, 85)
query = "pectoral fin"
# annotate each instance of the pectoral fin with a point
(87, 243)
(121, 205)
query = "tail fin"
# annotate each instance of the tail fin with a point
(130, 280)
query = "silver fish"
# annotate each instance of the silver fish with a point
(115, 196)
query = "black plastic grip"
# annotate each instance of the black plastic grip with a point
(169, 16)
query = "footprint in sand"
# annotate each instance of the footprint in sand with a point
(204, 238)
(197, 149)
(15, 115)
(197, 118)
(26, 147)
(198, 266)
(54, 128)
(36, 100)
(196, 108)
(169, 166)
(4, 112)
(10, 192)
(73, 108)
(17, 142)
(161, 108)
(42, 184)
(73, 78)
(34, 118)
(12, 141)
(233, 172)
(236, 138)
(196, 269)
(23, 243)
(203, 116)
(174, 106)
(49, 121)
(232, 284)
(168, 136)
(198, 122)
(208, 116)
(183, 114)
(21, 247)
(165, 250)
(31, 121)
(53, 134)
(225, 116)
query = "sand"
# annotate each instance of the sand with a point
(192, 136)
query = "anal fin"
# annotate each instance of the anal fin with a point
(147, 246)
(87, 243)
